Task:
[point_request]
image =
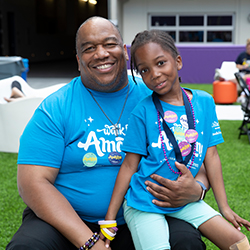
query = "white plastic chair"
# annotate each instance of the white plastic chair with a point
(226, 72)
(5, 88)
(15, 115)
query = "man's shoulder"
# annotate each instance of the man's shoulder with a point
(139, 85)
(63, 95)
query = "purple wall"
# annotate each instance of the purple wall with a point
(200, 61)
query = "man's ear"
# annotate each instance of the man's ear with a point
(126, 52)
(78, 62)
(179, 62)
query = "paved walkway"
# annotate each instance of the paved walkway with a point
(44, 74)
(229, 112)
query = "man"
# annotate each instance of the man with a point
(70, 154)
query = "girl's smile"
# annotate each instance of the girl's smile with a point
(158, 68)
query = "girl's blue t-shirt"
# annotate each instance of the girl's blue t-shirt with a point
(143, 137)
(69, 131)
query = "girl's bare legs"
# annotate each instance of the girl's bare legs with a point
(222, 233)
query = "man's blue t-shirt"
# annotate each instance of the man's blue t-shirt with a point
(69, 131)
(143, 137)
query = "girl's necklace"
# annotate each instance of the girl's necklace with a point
(162, 143)
(115, 126)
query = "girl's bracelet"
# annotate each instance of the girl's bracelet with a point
(107, 234)
(104, 225)
(106, 222)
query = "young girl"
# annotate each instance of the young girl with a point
(171, 127)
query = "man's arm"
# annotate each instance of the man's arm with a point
(180, 192)
(35, 185)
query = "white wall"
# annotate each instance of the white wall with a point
(242, 23)
(135, 14)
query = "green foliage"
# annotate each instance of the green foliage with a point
(234, 155)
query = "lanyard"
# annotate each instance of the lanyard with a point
(169, 133)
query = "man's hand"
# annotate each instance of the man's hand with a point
(175, 193)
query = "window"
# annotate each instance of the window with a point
(163, 21)
(191, 20)
(202, 28)
(219, 20)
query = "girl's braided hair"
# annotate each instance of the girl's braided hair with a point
(156, 36)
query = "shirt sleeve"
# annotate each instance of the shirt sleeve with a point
(42, 142)
(136, 137)
(216, 134)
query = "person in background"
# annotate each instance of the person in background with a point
(243, 64)
(70, 154)
(169, 128)
(16, 92)
(243, 61)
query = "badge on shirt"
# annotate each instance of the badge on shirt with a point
(115, 158)
(89, 160)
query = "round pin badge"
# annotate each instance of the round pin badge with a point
(115, 158)
(184, 121)
(170, 116)
(191, 135)
(179, 134)
(185, 148)
(89, 160)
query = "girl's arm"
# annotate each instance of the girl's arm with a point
(128, 168)
(214, 173)
(202, 177)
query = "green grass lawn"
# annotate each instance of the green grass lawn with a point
(234, 154)
(236, 170)
(206, 87)
(11, 205)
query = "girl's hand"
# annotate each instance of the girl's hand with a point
(235, 219)
(106, 241)
(100, 245)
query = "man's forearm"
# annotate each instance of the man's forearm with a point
(36, 188)
(174, 193)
